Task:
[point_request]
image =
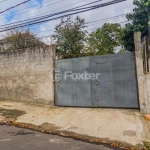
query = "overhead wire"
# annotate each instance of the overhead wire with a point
(31, 6)
(75, 10)
(100, 21)
(14, 6)
(118, 23)
(91, 24)
(88, 29)
(35, 18)
(42, 7)
(74, 4)
(87, 9)
(122, 15)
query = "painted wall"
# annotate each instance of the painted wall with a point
(26, 75)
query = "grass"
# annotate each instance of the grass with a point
(147, 145)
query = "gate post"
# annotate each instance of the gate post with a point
(140, 71)
(53, 49)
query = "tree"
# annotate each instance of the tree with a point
(128, 37)
(19, 39)
(70, 37)
(104, 40)
(139, 19)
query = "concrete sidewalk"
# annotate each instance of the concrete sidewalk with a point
(118, 125)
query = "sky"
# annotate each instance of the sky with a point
(42, 7)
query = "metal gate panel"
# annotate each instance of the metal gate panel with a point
(72, 95)
(124, 80)
(104, 92)
(115, 87)
(70, 92)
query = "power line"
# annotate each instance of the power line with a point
(35, 18)
(47, 18)
(14, 6)
(57, 8)
(30, 6)
(51, 15)
(122, 15)
(37, 8)
(64, 7)
(87, 29)
(91, 8)
(42, 7)
(118, 23)
(101, 21)
(88, 4)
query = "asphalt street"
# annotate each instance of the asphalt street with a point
(13, 138)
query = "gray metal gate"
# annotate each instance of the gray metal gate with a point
(115, 84)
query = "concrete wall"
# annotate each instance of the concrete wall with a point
(147, 92)
(26, 75)
(142, 78)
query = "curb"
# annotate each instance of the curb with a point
(73, 136)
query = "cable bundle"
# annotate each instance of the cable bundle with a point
(58, 15)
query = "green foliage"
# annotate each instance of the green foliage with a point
(70, 37)
(146, 2)
(128, 38)
(104, 40)
(139, 19)
(140, 16)
(147, 145)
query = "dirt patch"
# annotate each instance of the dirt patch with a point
(49, 126)
(11, 112)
